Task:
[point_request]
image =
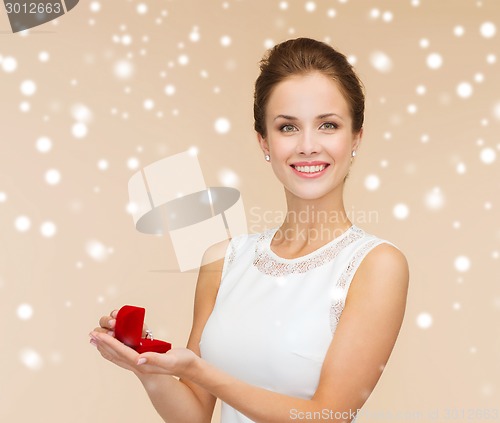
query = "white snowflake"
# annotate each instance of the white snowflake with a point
(381, 61)
(462, 263)
(28, 87)
(48, 229)
(424, 320)
(24, 311)
(434, 61)
(401, 211)
(464, 90)
(222, 125)
(488, 29)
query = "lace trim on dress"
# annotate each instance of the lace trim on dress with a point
(277, 266)
(338, 303)
(232, 253)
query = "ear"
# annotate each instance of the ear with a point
(356, 142)
(263, 143)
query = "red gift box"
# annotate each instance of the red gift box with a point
(128, 329)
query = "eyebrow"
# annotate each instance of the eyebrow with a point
(323, 116)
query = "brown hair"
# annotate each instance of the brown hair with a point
(301, 56)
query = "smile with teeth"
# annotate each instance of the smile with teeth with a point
(310, 169)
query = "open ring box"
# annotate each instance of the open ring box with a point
(128, 329)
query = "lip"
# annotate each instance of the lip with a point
(315, 163)
(310, 175)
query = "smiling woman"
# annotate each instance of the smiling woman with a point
(301, 57)
(320, 127)
(300, 320)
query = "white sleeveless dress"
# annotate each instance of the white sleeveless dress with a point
(274, 318)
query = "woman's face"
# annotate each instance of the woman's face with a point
(309, 135)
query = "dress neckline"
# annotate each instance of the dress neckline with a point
(269, 263)
(266, 243)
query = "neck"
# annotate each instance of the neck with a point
(321, 218)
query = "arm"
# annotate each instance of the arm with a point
(175, 400)
(188, 402)
(363, 342)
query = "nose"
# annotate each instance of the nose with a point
(307, 143)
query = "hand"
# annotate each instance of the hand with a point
(180, 362)
(113, 350)
(110, 348)
(107, 324)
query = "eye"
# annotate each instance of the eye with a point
(329, 126)
(287, 128)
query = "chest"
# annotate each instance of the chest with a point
(270, 331)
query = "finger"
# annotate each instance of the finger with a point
(105, 351)
(114, 345)
(107, 322)
(114, 351)
(110, 355)
(150, 368)
(105, 330)
(162, 362)
(114, 313)
(103, 337)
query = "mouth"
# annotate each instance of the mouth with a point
(310, 170)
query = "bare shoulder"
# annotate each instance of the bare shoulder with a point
(383, 273)
(210, 273)
(385, 259)
(215, 254)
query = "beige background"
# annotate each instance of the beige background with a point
(439, 161)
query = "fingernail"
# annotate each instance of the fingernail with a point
(93, 343)
(111, 322)
(110, 332)
(142, 360)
